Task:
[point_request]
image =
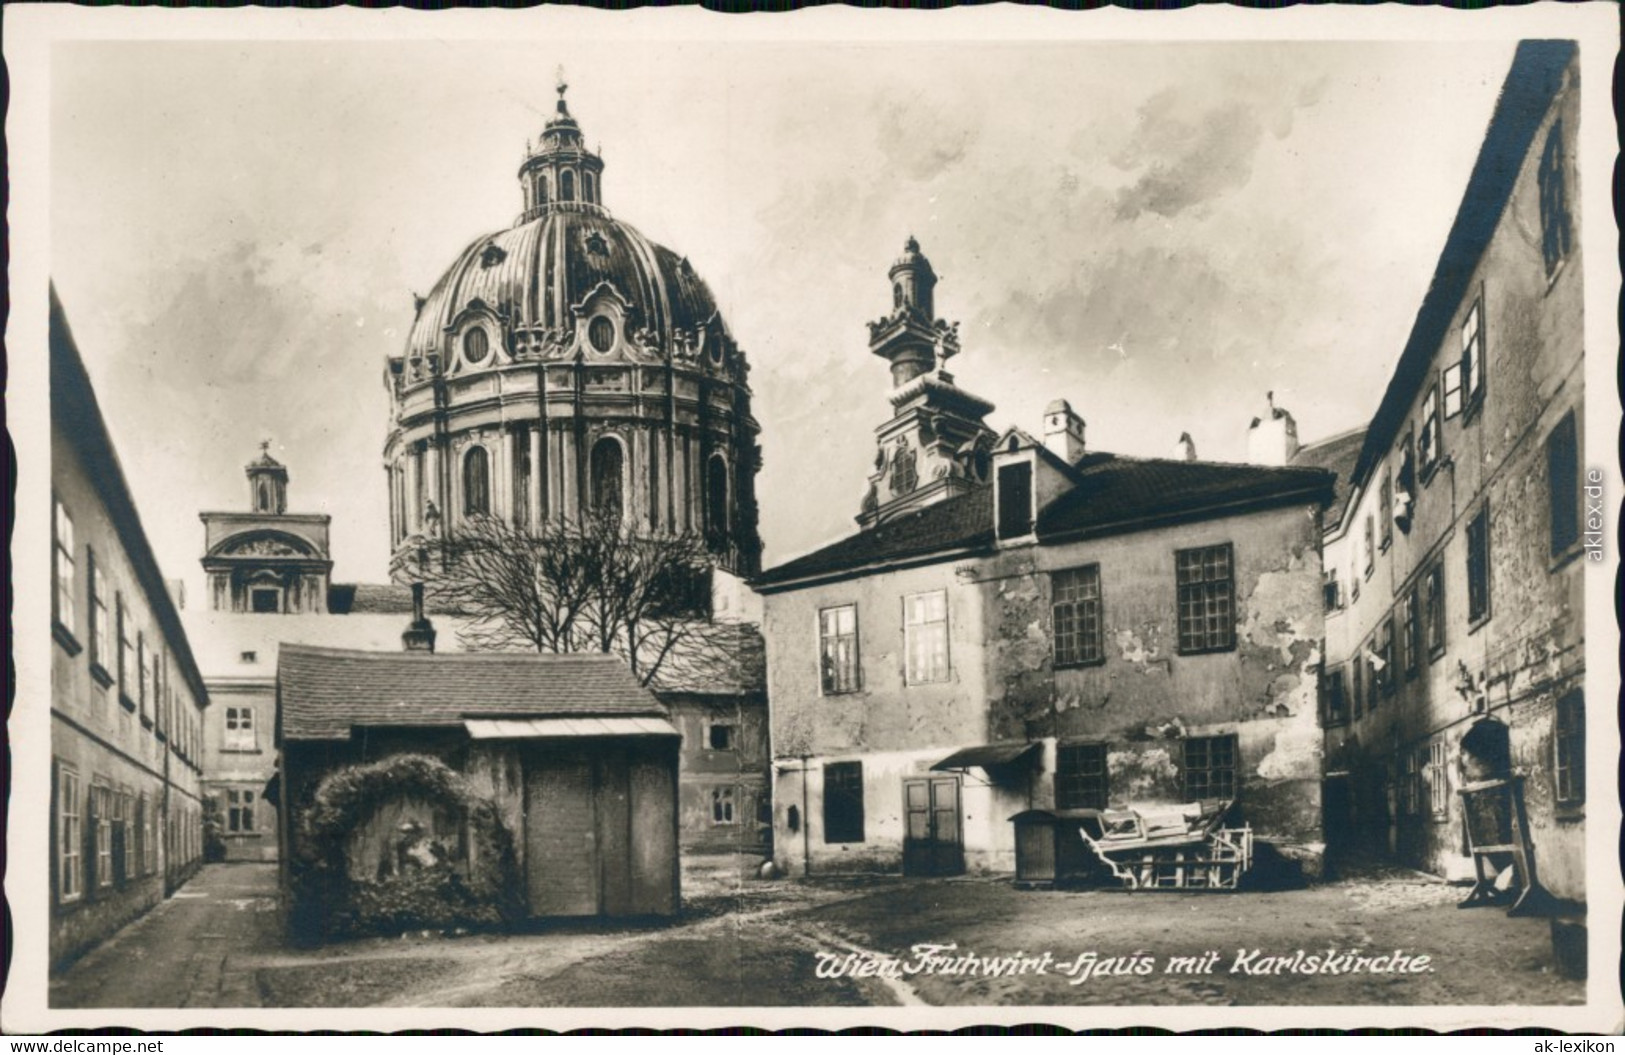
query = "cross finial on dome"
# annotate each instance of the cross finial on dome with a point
(912, 245)
(561, 87)
(265, 446)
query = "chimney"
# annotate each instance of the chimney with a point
(1272, 439)
(419, 634)
(1185, 449)
(1063, 431)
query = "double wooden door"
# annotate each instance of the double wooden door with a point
(933, 837)
(601, 828)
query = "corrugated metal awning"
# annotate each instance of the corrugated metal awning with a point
(537, 728)
(987, 755)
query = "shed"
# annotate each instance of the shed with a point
(577, 758)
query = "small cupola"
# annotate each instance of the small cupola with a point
(913, 282)
(1063, 431)
(559, 171)
(267, 483)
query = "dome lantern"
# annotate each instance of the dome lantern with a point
(560, 172)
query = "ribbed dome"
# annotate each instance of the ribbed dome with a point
(535, 272)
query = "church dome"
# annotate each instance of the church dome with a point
(567, 365)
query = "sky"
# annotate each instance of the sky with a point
(1159, 233)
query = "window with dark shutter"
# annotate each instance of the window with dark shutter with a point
(1478, 566)
(1015, 500)
(1563, 484)
(843, 802)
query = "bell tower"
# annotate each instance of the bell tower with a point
(936, 444)
(267, 483)
(559, 172)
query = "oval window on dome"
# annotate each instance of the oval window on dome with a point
(476, 345)
(601, 333)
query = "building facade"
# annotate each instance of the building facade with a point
(568, 366)
(1455, 575)
(127, 700)
(1058, 628)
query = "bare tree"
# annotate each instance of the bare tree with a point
(588, 586)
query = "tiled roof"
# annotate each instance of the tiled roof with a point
(322, 693)
(1112, 494)
(1336, 454)
(1118, 493)
(954, 523)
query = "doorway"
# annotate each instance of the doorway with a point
(933, 840)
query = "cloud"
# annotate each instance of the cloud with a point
(1185, 151)
(922, 140)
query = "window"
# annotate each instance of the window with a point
(1452, 390)
(1358, 695)
(1410, 782)
(905, 477)
(239, 731)
(69, 835)
(925, 637)
(719, 736)
(248, 657)
(1354, 582)
(1563, 484)
(1206, 599)
(476, 482)
(601, 333)
(239, 811)
(1433, 606)
(1370, 549)
(1373, 676)
(1385, 510)
(101, 804)
(567, 186)
(716, 494)
(476, 345)
(605, 468)
(838, 649)
(1209, 770)
(521, 476)
(1569, 748)
(123, 855)
(144, 666)
(586, 186)
(1385, 657)
(1438, 780)
(1410, 622)
(1015, 500)
(1080, 777)
(1405, 496)
(843, 802)
(1331, 590)
(722, 805)
(1554, 203)
(1337, 704)
(265, 600)
(1472, 356)
(1478, 566)
(101, 644)
(1427, 436)
(1078, 624)
(125, 675)
(62, 567)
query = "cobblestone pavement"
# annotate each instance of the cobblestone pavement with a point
(748, 942)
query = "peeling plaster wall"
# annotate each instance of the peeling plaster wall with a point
(1529, 650)
(703, 770)
(985, 809)
(1144, 696)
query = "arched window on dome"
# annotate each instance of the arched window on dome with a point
(897, 295)
(586, 187)
(606, 469)
(265, 498)
(476, 482)
(567, 186)
(716, 497)
(541, 190)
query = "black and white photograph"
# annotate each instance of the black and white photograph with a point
(564, 517)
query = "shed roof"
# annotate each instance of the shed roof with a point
(323, 693)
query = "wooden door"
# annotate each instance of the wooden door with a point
(562, 858)
(932, 840)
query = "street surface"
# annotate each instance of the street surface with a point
(851, 941)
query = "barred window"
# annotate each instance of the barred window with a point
(843, 802)
(1438, 779)
(1080, 776)
(1078, 624)
(1206, 599)
(1209, 770)
(838, 649)
(925, 634)
(1569, 748)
